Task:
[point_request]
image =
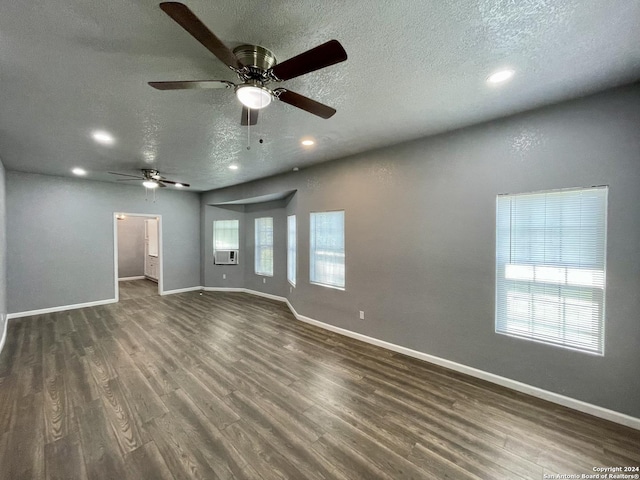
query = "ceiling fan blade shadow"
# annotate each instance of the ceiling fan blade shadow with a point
(184, 17)
(191, 85)
(171, 182)
(319, 57)
(304, 103)
(249, 116)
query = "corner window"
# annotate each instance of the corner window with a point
(225, 235)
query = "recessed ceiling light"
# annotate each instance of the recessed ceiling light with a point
(79, 171)
(233, 167)
(308, 143)
(500, 76)
(150, 184)
(105, 138)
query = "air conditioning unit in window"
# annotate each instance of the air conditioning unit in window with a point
(226, 257)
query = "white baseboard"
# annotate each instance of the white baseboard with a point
(569, 402)
(266, 295)
(223, 289)
(181, 290)
(60, 308)
(4, 330)
(245, 290)
(127, 279)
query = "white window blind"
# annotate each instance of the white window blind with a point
(327, 258)
(292, 246)
(264, 246)
(550, 267)
(225, 235)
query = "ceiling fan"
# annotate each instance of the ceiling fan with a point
(255, 66)
(150, 179)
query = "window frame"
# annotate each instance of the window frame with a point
(572, 283)
(237, 234)
(344, 250)
(292, 253)
(259, 246)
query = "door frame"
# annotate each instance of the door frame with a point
(115, 249)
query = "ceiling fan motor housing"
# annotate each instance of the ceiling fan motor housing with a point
(255, 58)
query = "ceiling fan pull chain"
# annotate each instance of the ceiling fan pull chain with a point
(248, 129)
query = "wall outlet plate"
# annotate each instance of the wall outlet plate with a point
(224, 276)
(361, 315)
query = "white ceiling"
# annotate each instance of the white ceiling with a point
(415, 68)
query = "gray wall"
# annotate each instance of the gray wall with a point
(131, 247)
(420, 240)
(3, 252)
(60, 238)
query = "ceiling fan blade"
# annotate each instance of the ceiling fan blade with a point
(171, 182)
(126, 175)
(249, 116)
(319, 57)
(191, 85)
(181, 14)
(305, 103)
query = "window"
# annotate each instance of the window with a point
(264, 246)
(550, 267)
(326, 261)
(225, 235)
(292, 246)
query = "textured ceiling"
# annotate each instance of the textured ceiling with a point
(415, 67)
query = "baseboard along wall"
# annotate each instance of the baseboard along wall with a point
(565, 401)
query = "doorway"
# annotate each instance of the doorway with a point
(137, 255)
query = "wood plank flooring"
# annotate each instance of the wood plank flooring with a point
(231, 386)
(130, 289)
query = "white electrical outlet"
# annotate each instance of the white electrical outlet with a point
(224, 276)
(361, 315)
(290, 289)
(264, 280)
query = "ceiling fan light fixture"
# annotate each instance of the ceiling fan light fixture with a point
(253, 96)
(150, 184)
(179, 185)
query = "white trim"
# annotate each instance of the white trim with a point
(223, 289)
(4, 331)
(115, 250)
(181, 290)
(245, 290)
(61, 308)
(266, 295)
(569, 402)
(128, 279)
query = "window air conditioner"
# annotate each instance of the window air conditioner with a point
(226, 257)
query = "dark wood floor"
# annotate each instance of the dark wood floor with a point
(131, 289)
(227, 385)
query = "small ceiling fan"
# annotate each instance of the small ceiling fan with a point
(150, 179)
(255, 66)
